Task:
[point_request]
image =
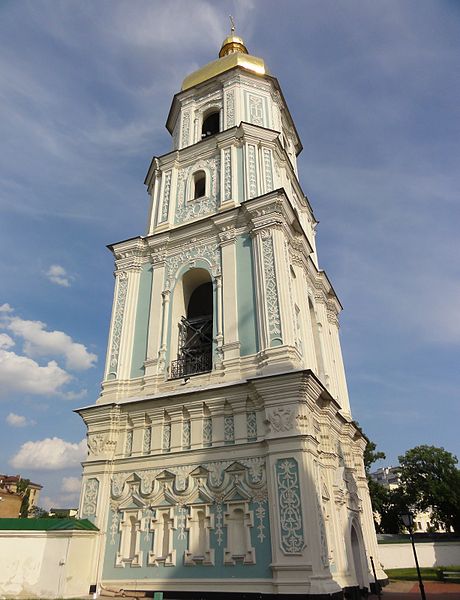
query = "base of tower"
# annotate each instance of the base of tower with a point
(200, 595)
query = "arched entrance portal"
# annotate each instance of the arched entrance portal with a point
(357, 551)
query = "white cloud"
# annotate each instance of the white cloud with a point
(18, 420)
(75, 395)
(39, 342)
(6, 341)
(58, 275)
(23, 374)
(5, 308)
(71, 485)
(49, 454)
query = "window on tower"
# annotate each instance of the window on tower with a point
(210, 124)
(199, 184)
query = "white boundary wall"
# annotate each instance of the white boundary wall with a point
(51, 564)
(429, 554)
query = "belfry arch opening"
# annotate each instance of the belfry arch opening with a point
(194, 314)
(211, 124)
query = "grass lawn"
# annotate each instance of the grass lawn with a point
(428, 574)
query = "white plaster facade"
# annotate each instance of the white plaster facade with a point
(248, 473)
(47, 564)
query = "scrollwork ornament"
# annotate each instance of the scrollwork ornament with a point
(185, 129)
(118, 319)
(252, 172)
(209, 252)
(268, 170)
(290, 508)
(166, 197)
(273, 310)
(227, 174)
(230, 106)
(90, 497)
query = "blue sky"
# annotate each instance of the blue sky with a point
(85, 88)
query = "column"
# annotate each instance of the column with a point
(156, 317)
(231, 345)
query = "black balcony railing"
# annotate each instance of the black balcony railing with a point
(191, 365)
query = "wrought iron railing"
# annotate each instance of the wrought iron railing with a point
(190, 365)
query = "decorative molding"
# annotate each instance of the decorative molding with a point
(281, 419)
(271, 290)
(252, 171)
(166, 197)
(230, 107)
(267, 157)
(146, 445)
(185, 129)
(229, 429)
(167, 436)
(289, 506)
(90, 497)
(118, 321)
(129, 442)
(256, 110)
(251, 425)
(199, 207)
(96, 444)
(207, 431)
(227, 174)
(190, 252)
(211, 481)
(186, 434)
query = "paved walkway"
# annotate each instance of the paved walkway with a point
(409, 590)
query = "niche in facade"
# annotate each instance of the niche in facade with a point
(199, 184)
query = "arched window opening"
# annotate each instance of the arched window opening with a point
(199, 184)
(196, 326)
(210, 124)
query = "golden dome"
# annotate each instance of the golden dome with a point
(233, 53)
(233, 43)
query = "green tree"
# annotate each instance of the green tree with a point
(37, 512)
(430, 480)
(371, 455)
(23, 489)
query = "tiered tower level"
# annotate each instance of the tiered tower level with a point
(222, 452)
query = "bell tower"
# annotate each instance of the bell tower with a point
(222, 452)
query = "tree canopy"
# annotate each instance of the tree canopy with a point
(430, 480)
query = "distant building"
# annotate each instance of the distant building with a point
(11, 498)
(67, 513)
(389, 477)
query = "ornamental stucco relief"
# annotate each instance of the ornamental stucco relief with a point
(90, 497)
(230, 105)
(166, 197)
(227, 174)
(118, 321)
(209, 252)
(256, 110)
(192, 208)
(271, 290)
(281, 419)
(289, 505)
